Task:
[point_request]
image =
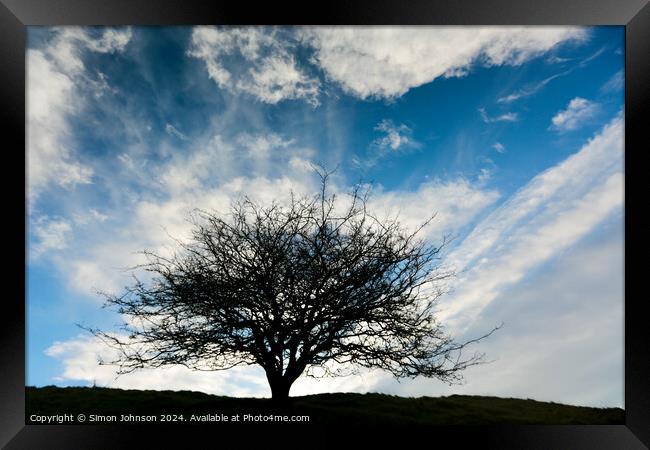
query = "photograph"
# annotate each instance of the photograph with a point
(338, 225)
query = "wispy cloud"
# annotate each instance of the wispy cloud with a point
(506, 117)
(499, 147)
(534, 88)
(50, 234)
(545, 329)
(577, 112)
(531, 89)
(615, 83)
(584, 62)
(92, 216)
(550, 213)
(56, 82)
(173, 131)
(393, 139)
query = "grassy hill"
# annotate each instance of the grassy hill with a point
(340, 408)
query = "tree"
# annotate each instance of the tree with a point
(293, 289)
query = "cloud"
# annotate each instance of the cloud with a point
(92, 216)
(393, 139)
(56, 81)
(208, 174)
(615, 83)
(368, 62)
(80, 360)
(385, 62)
(499, 147)
(534, 88)
(265, 68)
(506, 117)
(80, 356)
(531, 89)
(535, 264)
(521, 367)
(393, 136)
(50, 102)
(591, 57)
(173, 131)
(563, 335)
(151, 222)
(484, 175)
(589, 353)
(578, 111)
(50, 234)
(260, 146)
(455, 204)
(536, 225)
(552, 212)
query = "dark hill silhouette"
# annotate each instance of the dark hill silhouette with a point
(339, 408)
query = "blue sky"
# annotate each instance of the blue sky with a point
(514, 136)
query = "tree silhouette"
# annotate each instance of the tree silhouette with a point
(293, 289)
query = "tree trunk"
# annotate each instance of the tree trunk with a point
(280, 391)
(280, 386)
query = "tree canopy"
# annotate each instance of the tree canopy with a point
(311, 286)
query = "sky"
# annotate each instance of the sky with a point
(513, 136)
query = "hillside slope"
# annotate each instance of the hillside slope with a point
(339, 408)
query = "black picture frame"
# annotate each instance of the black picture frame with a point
(15, 15)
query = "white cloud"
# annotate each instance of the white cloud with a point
(499, 147)
(394, 137)
(80, 360)
(368, 62)
(50, 101)
(50, 234)
(385, 62)
(266, 70)
(552, 212)
(56, 77)
(455, 204)
(260, 146)
(192, 180)
(563, 335)
(151, 224)
(577, 112)
(589, 354)
(80, 356)
(92, 216)
(546, 217)
(506, 117)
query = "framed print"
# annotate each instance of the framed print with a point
(370, 215)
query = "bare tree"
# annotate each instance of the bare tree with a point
(303, 288)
